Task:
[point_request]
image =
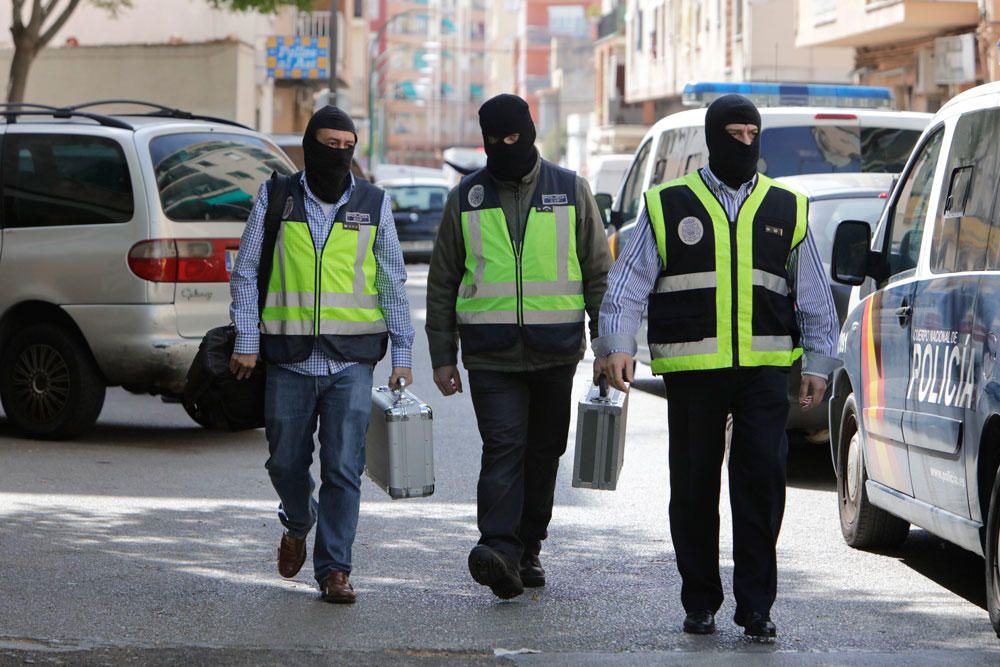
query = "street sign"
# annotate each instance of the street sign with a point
(298, 58)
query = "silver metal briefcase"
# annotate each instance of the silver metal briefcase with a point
(600, 438)
(399, 449)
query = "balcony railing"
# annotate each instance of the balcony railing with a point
(312, 24)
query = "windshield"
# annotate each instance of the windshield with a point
(786, 151)
(209, 177)
(417, 198)
(825, 215)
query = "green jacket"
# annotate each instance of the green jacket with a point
(448, 266)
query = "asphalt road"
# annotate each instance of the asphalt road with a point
(151, 541)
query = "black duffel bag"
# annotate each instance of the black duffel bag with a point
(213, 396)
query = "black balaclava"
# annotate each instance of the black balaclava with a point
(733, 162)
(327, 169)
(500, 117)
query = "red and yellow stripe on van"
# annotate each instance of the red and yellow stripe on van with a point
(885, 458)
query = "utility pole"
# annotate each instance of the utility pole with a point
(332, 41)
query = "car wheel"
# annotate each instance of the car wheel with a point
(863, 525)
(993, 557)
(49, 384)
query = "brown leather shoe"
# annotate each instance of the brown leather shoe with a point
(291, 555)
(337, 589)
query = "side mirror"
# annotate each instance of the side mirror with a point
(604, 206)
(852, 256)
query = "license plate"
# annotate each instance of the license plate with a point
(230, 259)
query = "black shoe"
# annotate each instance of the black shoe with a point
(532, 574)
(758, 627)
(700, 623)
(490, 568)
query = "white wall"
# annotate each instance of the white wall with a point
(149, 22)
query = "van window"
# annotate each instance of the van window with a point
(59, 179)
(786, 151)
(910, 210)
(962, 226)
(669, 155)
(633, 188)
(696, 151)
(204, 177)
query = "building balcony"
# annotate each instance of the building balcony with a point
(312, 24)
(612, 23)
(859, 23)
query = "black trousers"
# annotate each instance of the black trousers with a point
(524, 422)
(697, 405)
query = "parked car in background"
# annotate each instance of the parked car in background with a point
(915, 410)
(832, 198)
(117, 236)
(417, 205)
(605, 172)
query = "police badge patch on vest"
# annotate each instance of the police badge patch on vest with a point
(690, 230)
(476, 195)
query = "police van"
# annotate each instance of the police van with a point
(806, 129)
(915, 410)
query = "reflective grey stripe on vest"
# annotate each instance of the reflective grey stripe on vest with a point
(771, 343)
(562, 244)
(476, 243)
(491, 290)
(487, 317)
(326, 300)
(665, 350)
(339, 327)
(288, 328)
(687, 281)
(771, 282)
(553, 316)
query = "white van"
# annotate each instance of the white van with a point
(794, 140)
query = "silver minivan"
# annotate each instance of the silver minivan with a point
(117, 235)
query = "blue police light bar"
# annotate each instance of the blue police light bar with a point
(791, 94)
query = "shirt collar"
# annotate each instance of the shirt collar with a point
(720, 188)
(343, 198)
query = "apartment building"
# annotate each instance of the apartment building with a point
(428, 75)
(670, 43)
(926, 52)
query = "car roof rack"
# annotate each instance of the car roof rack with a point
(11, 111)
(159, 111)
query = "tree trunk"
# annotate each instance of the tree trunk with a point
(19, 67)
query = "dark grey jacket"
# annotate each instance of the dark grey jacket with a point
(448, 266)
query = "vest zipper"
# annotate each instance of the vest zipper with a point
(734, 288)
(517, 256)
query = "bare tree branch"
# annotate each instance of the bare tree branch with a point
(17, 25)
(35, 22)
(58, 23)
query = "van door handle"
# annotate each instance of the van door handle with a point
(903, 313)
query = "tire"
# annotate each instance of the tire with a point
(992, 556)
(863, 525)
(49, 384)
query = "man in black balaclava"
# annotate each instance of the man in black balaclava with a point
(735, 292)
(319, 360)
(520, 213)
(328, 152)
(508, 137)
(730, 122)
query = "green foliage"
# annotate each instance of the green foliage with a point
(263, 6)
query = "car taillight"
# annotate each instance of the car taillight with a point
(182, 260)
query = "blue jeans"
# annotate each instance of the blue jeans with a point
(342, 404)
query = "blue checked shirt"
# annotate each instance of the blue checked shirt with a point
(633, 276)
(390, 279)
